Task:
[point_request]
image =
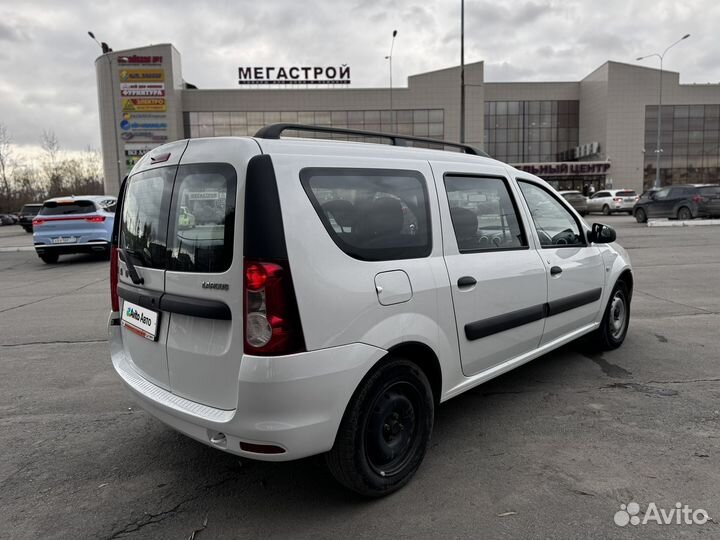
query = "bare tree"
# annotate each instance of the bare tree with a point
(6, 160)
(51, 166)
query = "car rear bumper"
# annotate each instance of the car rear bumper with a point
(293, 402)
(64, 249)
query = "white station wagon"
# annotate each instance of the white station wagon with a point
(278, 298)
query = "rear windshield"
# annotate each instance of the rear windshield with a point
(626, 193)
(202, 222)
(183, 223)
(31, 209)
(62, 208)
(709, 191)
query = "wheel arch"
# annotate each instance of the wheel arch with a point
(425, 358)
(626, 276)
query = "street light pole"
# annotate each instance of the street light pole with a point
(389, 57)
(658, 150)
(462, 71)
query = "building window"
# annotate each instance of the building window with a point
(539, 130)
(411, 122)
(689, 140)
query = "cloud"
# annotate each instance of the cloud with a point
(47, 60)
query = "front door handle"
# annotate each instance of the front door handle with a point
(555, 270)
(466, 281)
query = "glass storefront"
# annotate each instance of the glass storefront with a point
(415, 122)
(690, 144)
(530, 131)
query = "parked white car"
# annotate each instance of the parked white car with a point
(279, 298)
(610, 201)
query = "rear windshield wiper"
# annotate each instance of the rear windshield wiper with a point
(127, 254)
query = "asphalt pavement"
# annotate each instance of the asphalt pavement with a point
(552, 449)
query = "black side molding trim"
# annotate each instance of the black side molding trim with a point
(574, 301)
(507, 321)
(141, 297)
(174, 303)
(195, 307)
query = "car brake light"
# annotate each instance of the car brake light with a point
(95, 219)
(37, 222)
(272, 322)
(114, 300)
(697, 198)
(617, 199)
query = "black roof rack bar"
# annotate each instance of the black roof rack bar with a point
(273, 131)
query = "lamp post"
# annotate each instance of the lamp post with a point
(462, 71)
(389, 57)
(658, 150)
(106, 49)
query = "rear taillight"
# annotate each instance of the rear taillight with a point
(37, 222)
(697, 198)
(114, 300)
(617, 199)
(272, 322)
(95, 219)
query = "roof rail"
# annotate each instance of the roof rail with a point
(273, 131)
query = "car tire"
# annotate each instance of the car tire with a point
(684, 213)
(385, 430)
(49, 258)
(616, 319)
(640, 216)
(606, 210)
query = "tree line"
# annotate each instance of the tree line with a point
(53, 174)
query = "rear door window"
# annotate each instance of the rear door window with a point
(144, 216)
(372, 214)
(202, 218)
(63, 208)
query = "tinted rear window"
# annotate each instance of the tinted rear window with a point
(627, 193)
(710, 191)
(202, 223)
(144, 216)
(31, 209)
(372, 214)
(54, 208)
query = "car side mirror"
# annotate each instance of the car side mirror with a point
(601, 234)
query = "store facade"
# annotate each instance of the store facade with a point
(599, 131)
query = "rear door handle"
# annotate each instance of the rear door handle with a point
(555, 270)
(466, 281)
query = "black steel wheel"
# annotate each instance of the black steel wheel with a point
(385, 431)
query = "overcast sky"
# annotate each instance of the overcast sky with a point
(47, 73)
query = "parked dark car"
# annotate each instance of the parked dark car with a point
(7, 219)
(26, 215)
(709, 204)
(677, 202)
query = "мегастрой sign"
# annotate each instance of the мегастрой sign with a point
(294, 75)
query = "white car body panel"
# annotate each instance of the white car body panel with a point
(297, 401)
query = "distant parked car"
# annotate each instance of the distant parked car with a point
(74, 225)
(26, 215)
(681, 202)
(577, 200)
(709, 204)
(7, 219)
(609, 201)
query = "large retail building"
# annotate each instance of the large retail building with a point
(599, 131)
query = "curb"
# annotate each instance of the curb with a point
(13, 249)
(686, 223)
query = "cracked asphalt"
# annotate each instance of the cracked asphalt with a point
(551, 449)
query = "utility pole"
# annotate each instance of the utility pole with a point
(462, 71)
